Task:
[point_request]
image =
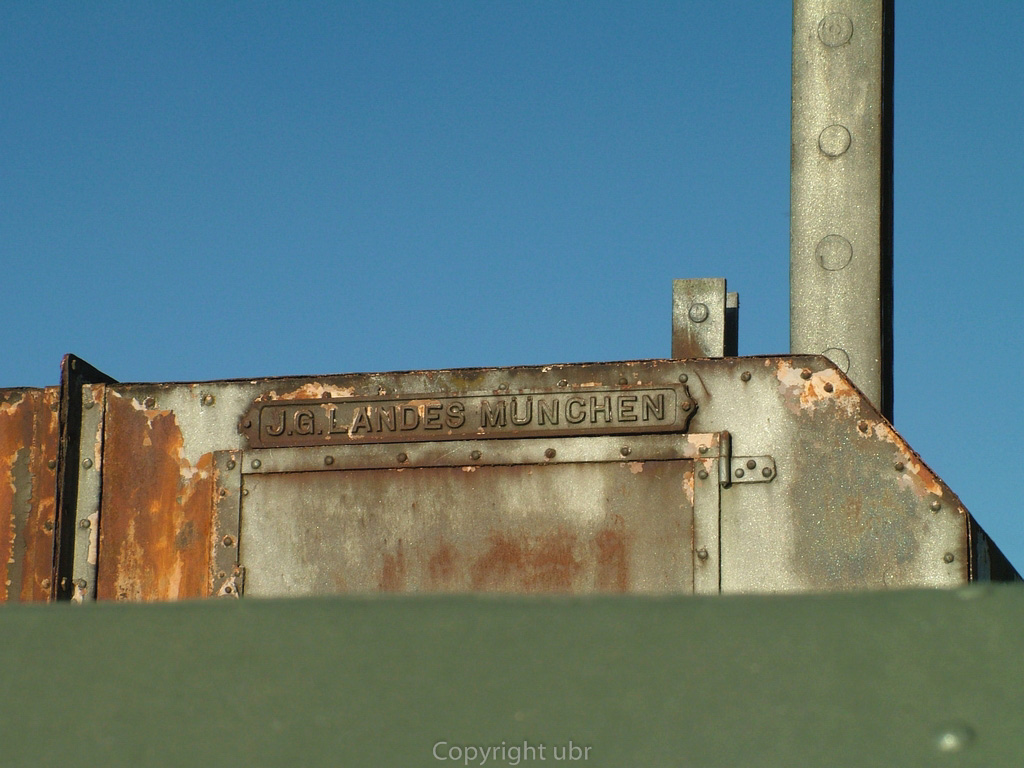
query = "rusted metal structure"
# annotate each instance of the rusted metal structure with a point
(701, 473)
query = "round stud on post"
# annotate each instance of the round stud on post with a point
(698, 312)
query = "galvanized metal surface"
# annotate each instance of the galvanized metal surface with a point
(896, 679)
(845, 504)
(841, 190)
(28, 460)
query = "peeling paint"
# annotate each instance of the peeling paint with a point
(821, 388)
(313, 390)
(636, 467)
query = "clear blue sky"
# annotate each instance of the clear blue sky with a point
(194, 191)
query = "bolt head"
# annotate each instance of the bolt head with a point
(898, 466)
(805, 374)
(230, 464)
(87, 463)
(228, 541)
(739, 472)
(328, 460)
(698, 312)
(745, 376)
(256, 463)
(625, 450)
(402, 458)
(474, 455)
(766, 472)
(683, 378)
(623, 381)
(84, 523)
(703, 474)
(52, 464)
(549, 453)
(935, 505)
(751, 463)
(702, 553)
(948, 557)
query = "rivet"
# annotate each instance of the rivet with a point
(948, 557)
(231, 464)
(954, 737)
(48, 526)
(698, 312)
(245, 491)
(745, 376)
(683, 378)
(82, 583)
(562, 383)
(739, 472)
(766, 472)
(89, 404)
(208, 399)
(835, 30)
(402, 458)
(625, 450)
(703, 449)
(687, 405)
(898, 466)
(503, 386)
(834, 252)
(228, 590)
(87, 463)
(703, 474)
(52, 464)
(805, 374)
(549, 453)
(751, 463)
(328, 460)
(828, 386)
(834, 140)
(53, 407)
(149, 402)
(84, 523)
(863, 426)
(228, 541)
(256, 464)
(702, 553)
(474, 455)
(221, 574)
(623, 381)
(45, 583)
(935, 505)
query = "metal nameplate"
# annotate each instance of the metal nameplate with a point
(348, 420)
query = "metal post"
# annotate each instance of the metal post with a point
(841, 189)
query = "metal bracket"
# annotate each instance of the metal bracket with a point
(752, 469)
(227, 576)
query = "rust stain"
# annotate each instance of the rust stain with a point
(393, 573)
(157, 517)
(613, 557)
(636, 467)
(313, 390)
(544, 563)
(442, 566)
(28, 443)
(827, 387)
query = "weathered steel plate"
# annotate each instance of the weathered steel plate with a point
(573, 527)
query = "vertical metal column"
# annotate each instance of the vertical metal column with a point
(841, 189)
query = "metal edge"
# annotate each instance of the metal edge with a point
(74, 374)
(87, 510)
(227, 577)
(650, 447)
(707, 537)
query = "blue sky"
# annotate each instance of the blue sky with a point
(197, 191)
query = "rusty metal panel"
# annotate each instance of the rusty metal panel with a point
(28, 461)
(572, 515)
(157, 506)
(809, 490)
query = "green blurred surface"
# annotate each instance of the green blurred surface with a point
(846, 680)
